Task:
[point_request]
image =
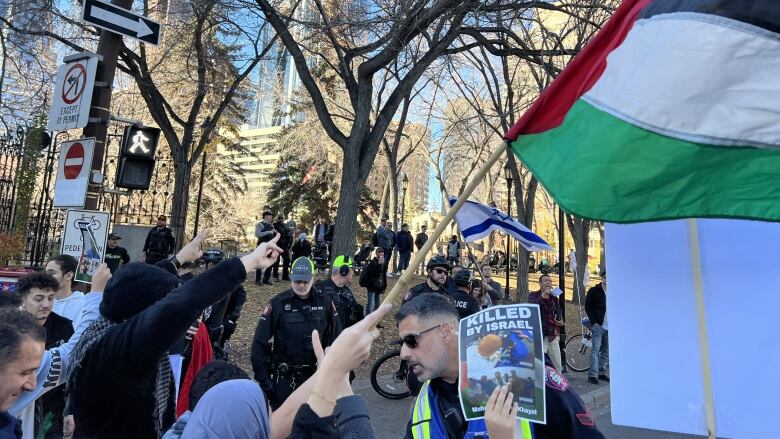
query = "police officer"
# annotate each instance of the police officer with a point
(438, 269)
(290, 318)
(337, 288)
(463, 301)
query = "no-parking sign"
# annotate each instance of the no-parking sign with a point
(73, 94)
(70, 189)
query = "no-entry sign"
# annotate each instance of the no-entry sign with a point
(73, 94)
(74, 161)
(70, 189)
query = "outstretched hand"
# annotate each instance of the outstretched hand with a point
(353, 345)
(192, 251)
(263, 256)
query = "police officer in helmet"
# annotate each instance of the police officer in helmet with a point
(438, 269)
(289, 319)
(339, 291)
(463, 301)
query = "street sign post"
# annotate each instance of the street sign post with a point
(84, 237)
(70, 188)
(73, 94)
(121, 21)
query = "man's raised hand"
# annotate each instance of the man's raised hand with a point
(192, 251)
(263, 256)
(101, 278)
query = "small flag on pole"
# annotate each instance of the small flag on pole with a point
(477, 220)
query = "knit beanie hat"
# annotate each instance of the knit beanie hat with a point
(134, 288)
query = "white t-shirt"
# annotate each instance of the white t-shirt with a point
(70, 307)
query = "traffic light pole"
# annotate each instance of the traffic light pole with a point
(100, 114)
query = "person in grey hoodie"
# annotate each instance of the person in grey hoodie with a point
(386, 239)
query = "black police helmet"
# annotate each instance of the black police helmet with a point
(213, 256)
(462, 278)
(437, 261)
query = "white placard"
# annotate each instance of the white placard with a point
(656, 374)
(73, 168)
(72, 97)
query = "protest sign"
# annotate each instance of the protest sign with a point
(503, 345)
(91, 256)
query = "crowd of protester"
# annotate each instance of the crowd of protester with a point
(144, 353)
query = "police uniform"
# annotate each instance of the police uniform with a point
(350, 311)
(464, 303)
(290, 321)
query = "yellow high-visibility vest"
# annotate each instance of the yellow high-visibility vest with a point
(427, 423)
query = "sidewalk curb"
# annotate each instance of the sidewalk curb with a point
(595, 396)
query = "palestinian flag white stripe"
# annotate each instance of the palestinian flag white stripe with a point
(661, 79)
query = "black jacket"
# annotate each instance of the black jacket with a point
(596, 305)
(58, 330)
(290, 320)
(373, 277)
(160, 241)
(420, 240)
(404, 241)
(301, 248)
(350, 311)
(115, 257)
(286, 238)
(114, 392)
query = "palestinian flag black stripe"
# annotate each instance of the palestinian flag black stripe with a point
(763, 14)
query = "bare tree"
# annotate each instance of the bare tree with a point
(188, 83)
(359, 41)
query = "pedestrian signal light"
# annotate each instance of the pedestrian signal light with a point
(136, 157)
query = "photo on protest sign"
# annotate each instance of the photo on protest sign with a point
(503, 345)
(90, 258)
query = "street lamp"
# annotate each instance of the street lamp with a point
(508, 177)
(404, 187)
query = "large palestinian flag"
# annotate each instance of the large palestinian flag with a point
(672, 111)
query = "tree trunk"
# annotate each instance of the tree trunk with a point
(602, 250)
(579, 229)
(385, 202)
(346, 223)
(180, 202)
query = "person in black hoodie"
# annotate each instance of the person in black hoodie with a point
(36, 292)
(159, 242)
(405, 245)
(596, 308)
(122, 385)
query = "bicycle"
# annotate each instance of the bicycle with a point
(578, 348)
(388, 376)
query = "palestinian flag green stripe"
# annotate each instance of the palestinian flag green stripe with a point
(629, 174)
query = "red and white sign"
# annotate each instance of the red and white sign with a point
(73, 169)
(73, 94)
(74, 161)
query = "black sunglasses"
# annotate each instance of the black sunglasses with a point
(411, 339)
(440, 270)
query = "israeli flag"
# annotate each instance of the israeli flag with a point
(477, 220)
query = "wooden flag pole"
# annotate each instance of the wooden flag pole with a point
(704, 350)
(419, 258)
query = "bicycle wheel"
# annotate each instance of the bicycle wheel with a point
(388, 376)
(578, 352)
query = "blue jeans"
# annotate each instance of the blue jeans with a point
(374, 299)
(403, 261)
(599, 353)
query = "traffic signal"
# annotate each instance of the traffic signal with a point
(136, 157)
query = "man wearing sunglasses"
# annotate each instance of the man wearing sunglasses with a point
(428, 330)
(289, 319)
(438, 270)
